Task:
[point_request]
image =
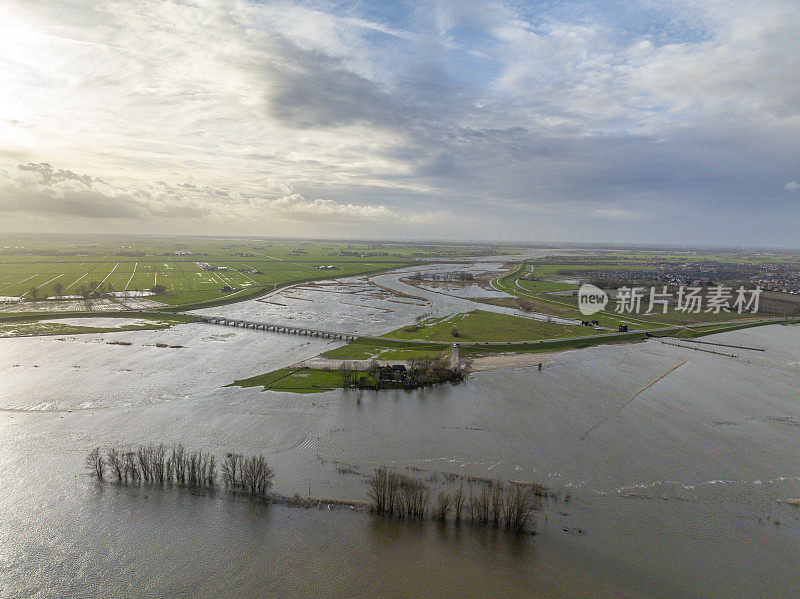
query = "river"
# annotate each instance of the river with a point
(677, 491)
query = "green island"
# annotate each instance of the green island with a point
(420, 372)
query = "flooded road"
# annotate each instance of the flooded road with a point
(678, 490)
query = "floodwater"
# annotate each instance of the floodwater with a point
(677, 491)
(373, 305)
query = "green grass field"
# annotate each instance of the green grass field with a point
(366, 349)
(481, 325)
(69, 266)
(303, 380)
(544, 286)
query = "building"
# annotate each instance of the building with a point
(396, 372)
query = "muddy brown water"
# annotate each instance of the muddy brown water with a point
(678, 492)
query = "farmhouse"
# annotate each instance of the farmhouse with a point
(396, 372)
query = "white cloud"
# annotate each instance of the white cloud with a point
(463, 108)
(615, 213)
(44, 190)
(296, 207)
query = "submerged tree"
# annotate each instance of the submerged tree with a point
(231, 470)
(95, 464)
(458, 504)
(114, 461)
(378, 490)
(256, 476)
(443, 504)
(519, 506)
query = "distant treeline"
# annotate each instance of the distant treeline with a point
(493, 504)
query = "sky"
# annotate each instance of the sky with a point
(631, 121)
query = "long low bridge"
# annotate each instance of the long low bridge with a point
(275, 328)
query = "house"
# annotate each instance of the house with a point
(396, 372)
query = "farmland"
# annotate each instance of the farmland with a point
(151, 273)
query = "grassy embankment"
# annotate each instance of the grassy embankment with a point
(302, 380)
(480, 326)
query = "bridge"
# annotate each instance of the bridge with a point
(276, 328)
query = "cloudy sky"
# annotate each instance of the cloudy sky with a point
(674, 121)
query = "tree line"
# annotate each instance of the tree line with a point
(159, 465)
(391, 494)
(492, 504)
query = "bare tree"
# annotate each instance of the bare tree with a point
(114, 461)
(443, 505)
(497, 501)
(374, 369)
(231, 470)
(256, 476)
(378, 486)
(458, 503)
(519, 506)
(346, 372)
(392, 489)
(94, 462)
(414, 497)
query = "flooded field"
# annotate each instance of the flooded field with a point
(663, 487)
(373, 305)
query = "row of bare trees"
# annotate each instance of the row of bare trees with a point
(493, 503)
(159, 465)
(251, 475)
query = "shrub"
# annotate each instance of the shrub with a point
(443, 505)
